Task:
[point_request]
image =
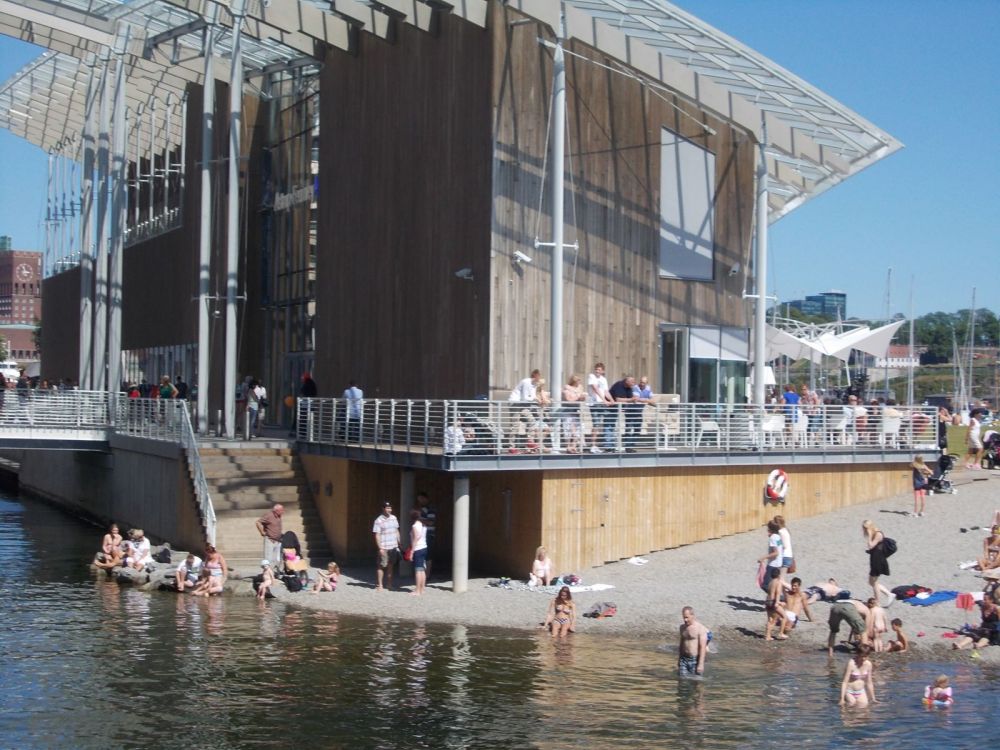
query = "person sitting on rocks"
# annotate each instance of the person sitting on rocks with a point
(110, 555)
(266, 580)
(214, 573)
(138, 554)
(188, 572)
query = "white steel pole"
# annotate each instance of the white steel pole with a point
(233, 216)
(151, 197)
(86, 250)
(205, 242)
(119, 206)
(99, 379)
(558, 212)
(760, 274)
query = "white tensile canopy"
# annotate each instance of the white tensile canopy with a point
(839, 345)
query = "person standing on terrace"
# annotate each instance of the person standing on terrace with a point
(600, 402)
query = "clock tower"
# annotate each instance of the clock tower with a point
(20, 299)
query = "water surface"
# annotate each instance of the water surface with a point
(91, 664)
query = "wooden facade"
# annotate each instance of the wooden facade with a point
(585, 518)
(614, 298)
(404, 192)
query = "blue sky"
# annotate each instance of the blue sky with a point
(922, 70)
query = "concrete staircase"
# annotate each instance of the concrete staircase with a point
(245, 479)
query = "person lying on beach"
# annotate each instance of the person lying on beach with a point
(773, 605)
(561, 616)
(327, 581)
(796, 604)
(939, 693)
(826, 591)
(900, 644)
(875, 625)
(266, 581)
(857, 689)
(986, 634)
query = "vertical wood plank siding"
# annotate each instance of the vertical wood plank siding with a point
(404, 196)
(614, 298)
(588, 518)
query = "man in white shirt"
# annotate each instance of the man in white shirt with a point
(599, 400)
(188, 572)
(527, 389)
(352, 399)
(138, 555)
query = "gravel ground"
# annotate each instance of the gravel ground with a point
(717, 578)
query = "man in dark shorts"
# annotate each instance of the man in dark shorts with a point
(850, 613)
(693, 646)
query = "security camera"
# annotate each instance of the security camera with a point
(734, 270)
(464, 273)
(521, 257)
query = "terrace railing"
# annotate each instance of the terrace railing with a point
(496, 428)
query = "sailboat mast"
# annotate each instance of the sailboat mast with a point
(972, 344)
(909, 382)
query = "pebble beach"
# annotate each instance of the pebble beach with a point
(717, 578)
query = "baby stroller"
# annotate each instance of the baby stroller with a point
(294, 566)
(938, 481)
(991, 450)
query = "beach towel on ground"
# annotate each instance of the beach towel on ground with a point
(910, 589)
(936, 597)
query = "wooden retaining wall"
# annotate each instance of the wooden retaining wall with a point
(586, 518)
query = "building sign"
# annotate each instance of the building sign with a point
(284, 201)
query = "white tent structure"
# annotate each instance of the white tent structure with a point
(830, 344)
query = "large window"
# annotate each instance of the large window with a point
(687, 209)
(705, 364)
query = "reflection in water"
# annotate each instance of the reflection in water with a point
(90, 664)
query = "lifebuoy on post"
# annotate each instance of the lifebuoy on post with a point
(776, 487)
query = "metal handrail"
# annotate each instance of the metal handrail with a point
(500, 428)
(189, 440)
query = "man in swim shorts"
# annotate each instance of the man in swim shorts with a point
(845, 612)
(693, 646)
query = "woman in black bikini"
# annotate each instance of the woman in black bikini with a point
(562, 614)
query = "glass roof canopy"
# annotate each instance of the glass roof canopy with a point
(813, 141)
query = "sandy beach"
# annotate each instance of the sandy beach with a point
(717, 578)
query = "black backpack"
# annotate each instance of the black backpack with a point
(292, 582)
(889, 546)
(163, 556)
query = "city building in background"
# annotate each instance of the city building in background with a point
(20, 300)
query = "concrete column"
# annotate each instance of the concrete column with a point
(407, 496)
(460, 536)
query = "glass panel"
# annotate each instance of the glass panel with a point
(702, 382)
(674, 361)
(687, 214)
(733, 381)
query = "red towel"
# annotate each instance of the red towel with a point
(965, 601)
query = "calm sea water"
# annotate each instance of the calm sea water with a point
(90, 664)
